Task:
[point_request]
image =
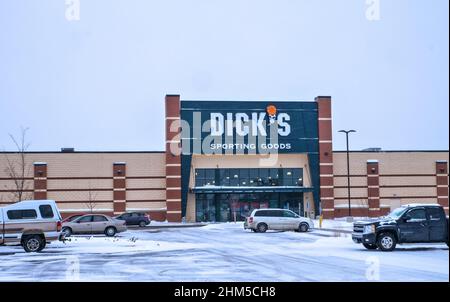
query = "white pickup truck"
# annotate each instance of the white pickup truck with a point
(31, 223)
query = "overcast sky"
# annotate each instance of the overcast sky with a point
(98, 83)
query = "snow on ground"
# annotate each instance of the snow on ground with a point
(222, 252)
(339, 224)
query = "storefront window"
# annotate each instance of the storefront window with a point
(205, 177)
(236, 207)
(292, 177)
(205, 207)
(249, 177)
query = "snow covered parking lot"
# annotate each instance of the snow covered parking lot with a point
(222, 252)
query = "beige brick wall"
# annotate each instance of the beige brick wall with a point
(415, 170)
(405, 192)
(81, 196)
(407, 180)
(61, 184)
(146, 183)
(6, 184)
(82, 172)
(389, 162)
(355, 192)
(354, 181)
(146, 206)
(146, 195)
(67, 207)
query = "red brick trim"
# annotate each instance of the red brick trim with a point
(40, 181)
(173, 187)
(373, 188)
(442, 183)
(324, 125)
(119, 188)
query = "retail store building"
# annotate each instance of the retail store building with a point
(224, 158)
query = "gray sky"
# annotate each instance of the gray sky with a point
(99, 83)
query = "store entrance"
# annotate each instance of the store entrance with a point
(224, 207)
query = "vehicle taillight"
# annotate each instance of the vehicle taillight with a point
(250, 220)
(58, 226)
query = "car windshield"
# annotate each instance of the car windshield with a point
(397, 212)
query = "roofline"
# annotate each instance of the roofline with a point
(388, 151)
(251, 101)
(131, 152)
(80, 152)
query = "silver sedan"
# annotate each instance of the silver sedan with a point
(94, 224)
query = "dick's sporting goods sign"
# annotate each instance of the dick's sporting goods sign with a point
(248, 127)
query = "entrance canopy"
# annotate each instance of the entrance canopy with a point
(259, 189)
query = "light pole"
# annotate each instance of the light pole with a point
(348, 169)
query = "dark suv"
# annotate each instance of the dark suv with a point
(414, 223)
(135, 218)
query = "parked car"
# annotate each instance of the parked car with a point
(261, 220)
(414, 223)
(135, 218)
(72, 217)
(31, 223)
(94, 224)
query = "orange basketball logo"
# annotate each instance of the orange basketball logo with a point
(272, 113)
(271, 110)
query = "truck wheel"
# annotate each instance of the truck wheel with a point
(44, 243)
(386, 242)
(33, 243)
(370, 246)
(262, 228)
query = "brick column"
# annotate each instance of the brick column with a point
(373, 188)
(442, 183)
(325, 156)
(173, 159)
(119, 188)
(40, 180)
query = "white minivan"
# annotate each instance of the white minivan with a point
(261, 220)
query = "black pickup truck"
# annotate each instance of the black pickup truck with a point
(415, 223)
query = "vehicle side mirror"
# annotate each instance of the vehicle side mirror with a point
(406, 218)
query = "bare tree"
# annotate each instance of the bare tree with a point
(91, 203)
(17, 167)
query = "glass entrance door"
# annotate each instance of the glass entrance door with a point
(293, 202)
(236, 207)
